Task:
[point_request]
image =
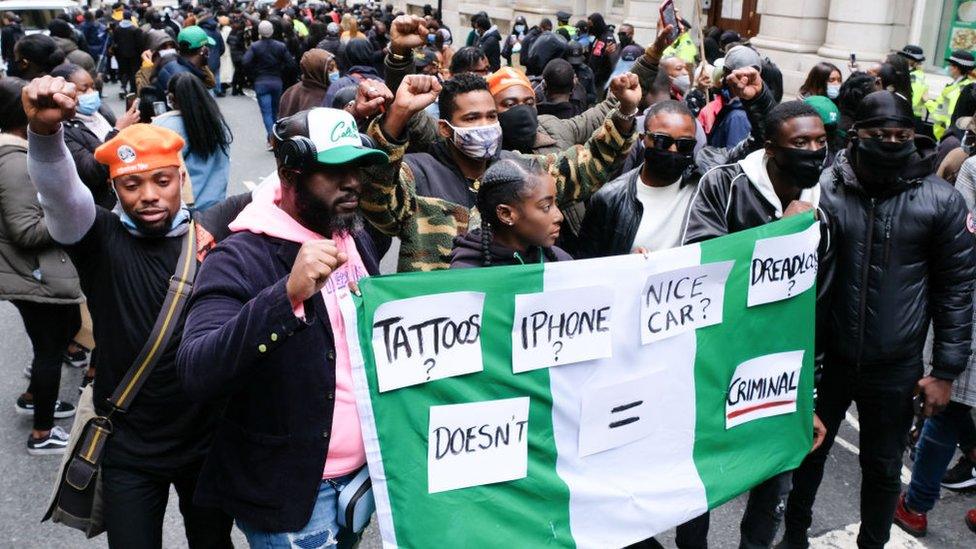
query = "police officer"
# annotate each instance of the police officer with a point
(920, 87)
(562, 22)
(961, 64)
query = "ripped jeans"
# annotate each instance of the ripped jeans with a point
(322, 529)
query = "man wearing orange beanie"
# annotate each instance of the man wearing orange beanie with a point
(125, 259)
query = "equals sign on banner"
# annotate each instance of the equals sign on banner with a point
(624, 408)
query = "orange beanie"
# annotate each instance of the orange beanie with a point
(140, 148)
(506, 77)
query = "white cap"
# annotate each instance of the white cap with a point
(336, 138)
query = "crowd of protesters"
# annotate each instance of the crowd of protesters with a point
(473, 148)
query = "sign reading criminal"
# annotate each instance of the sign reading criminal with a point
(763, 386)
(419, 339)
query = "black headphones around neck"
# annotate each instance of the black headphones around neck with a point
(298, 152)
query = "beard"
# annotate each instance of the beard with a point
(321, 218)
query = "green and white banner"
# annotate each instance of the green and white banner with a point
(587, 403)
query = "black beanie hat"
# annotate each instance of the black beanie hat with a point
(884, 108)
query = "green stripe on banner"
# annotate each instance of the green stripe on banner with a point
(725, 464)
(496, 515)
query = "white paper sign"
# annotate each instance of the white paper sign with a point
(477, 443)
(419, 339)
(783, 266)
(762, 387)
(561, 327)
(682, 300)
(614, 415)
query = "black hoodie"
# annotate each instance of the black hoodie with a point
(467, 253)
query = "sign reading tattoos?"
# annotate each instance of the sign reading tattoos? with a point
(420, 339)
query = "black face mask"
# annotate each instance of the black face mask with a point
(803, 166)
(666, 165)
(624, 39)
(879, 163)
(519, 126)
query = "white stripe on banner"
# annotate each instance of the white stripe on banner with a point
(645, 481)
(384, 513)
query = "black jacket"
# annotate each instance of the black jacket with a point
(468, 252)
(81, 144)
(127, 42)
(902, 259)
(242, 342)
(614, 213)
(268, 58)
(490, 43)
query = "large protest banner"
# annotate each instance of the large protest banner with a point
(588, 403)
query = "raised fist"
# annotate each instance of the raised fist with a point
(745, 83)
(371, 98)
(626, 88)
(47, 102)
(406, 33)
(416, 92)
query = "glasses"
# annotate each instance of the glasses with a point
(664, 142)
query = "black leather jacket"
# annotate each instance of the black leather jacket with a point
(902, 259)
(614, 213)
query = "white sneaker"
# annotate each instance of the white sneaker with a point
(56, 442)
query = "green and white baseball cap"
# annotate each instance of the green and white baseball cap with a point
(336, 138)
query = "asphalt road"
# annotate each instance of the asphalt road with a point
(25, 481)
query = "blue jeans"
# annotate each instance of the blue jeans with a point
(269, 95)
(322, 529)
(936, 447)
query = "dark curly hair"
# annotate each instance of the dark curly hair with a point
(460, 84)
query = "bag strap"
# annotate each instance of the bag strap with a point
(180, 287)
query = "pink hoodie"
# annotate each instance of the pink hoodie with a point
(263, 216)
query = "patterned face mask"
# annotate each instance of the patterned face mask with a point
(478, 142)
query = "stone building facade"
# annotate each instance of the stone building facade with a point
(796, 34)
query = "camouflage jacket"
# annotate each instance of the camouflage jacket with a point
(427, 225)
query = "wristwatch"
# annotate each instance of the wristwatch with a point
(396, 57)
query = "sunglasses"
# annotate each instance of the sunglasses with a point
(664, 142)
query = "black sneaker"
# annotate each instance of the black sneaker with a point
(961, 476)
(56, 442)
(85, 382)
(77, 359)
(62, 410)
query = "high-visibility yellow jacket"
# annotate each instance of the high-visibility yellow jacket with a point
(683, 47)
(940, 109)
(569, 28)
(919, 88)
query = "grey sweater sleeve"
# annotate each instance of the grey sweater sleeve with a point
(68, 205)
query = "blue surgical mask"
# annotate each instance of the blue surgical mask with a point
(833, 90)
(89, 103)
(333, 76)
(181, 217)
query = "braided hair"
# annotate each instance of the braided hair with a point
(503, 183)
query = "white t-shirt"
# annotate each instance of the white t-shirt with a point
(664, 213)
